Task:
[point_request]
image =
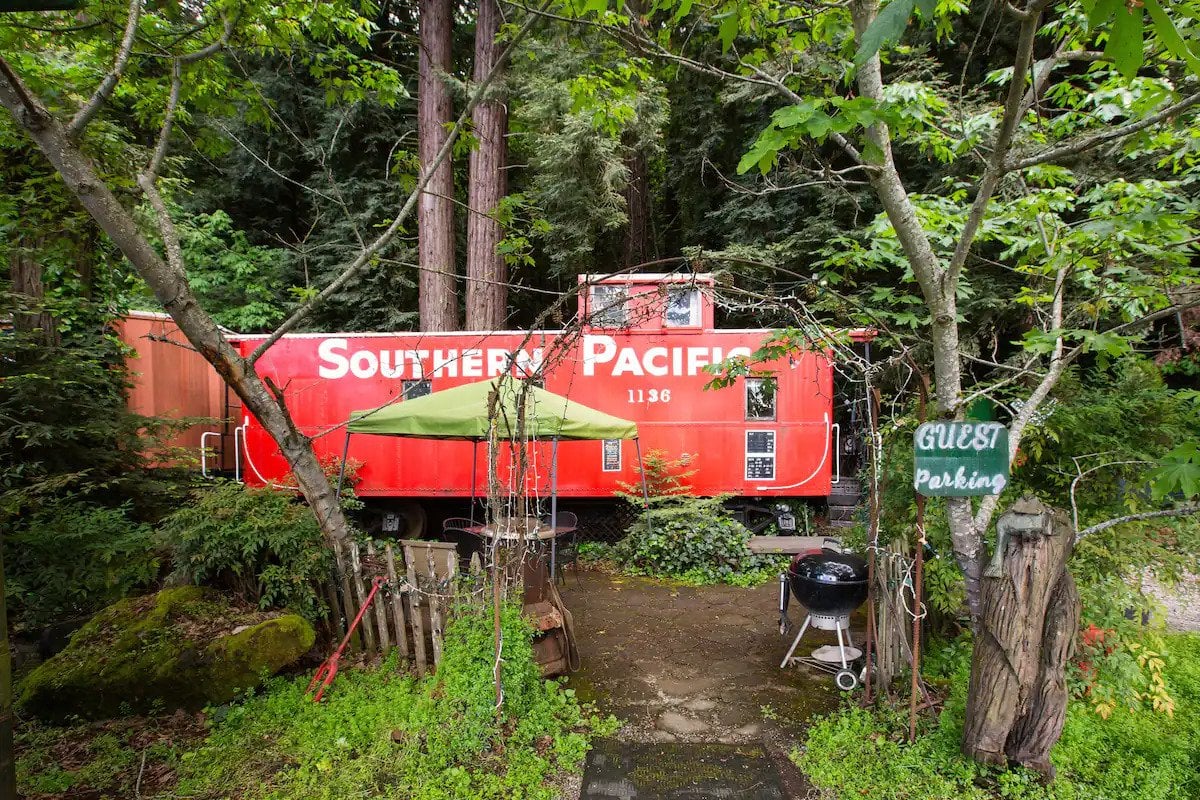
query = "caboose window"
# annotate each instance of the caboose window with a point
(760, 398)
(418, 388)
(609, 306)
(683, 308)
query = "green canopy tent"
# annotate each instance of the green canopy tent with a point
(462, 413)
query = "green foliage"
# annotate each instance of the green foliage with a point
(581, 117)
(65, 428)
(260, 543)
(694, 540)
(1180, 472)
(1132, 755)
(384, 734)
(665, 477)
(73, 558)
(241, 282)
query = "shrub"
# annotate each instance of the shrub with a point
(383, 734)
(695, 540)
(74, 558)
(259, 543)
(1133, 754)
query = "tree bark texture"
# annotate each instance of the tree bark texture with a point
(171, 288)
(636, 246)
(26, 275)
(487, 272)
(1038, 729)
(435, 210)
(1025, 634)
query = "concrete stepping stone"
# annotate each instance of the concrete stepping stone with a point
(678, 771)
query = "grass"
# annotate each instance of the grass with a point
(1132, 755)
(381, 733)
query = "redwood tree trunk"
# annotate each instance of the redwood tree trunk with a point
(435, 210)
(487, 274)
(26, 275)
(636, 247)
(1024, 636)
(171, 288)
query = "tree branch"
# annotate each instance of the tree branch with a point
(110, 81)
(368, 254)
(1182, 511)
(1089, 142)
(160, 150)
(1015, 106)
(214, 48)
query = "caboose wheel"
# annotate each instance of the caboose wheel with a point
(845, 680)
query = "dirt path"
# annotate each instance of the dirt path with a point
(684, 664)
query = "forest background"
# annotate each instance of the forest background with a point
(1020, 177)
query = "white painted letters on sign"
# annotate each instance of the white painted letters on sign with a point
(960, 459)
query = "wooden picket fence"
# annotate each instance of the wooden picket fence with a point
(422, 587)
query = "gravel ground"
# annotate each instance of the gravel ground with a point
(1182, 602)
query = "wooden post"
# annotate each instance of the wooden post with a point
(414, 609)
(918, 579)
(349, 610)
(360, 594)
(377, 608)
(397, 603)
(435, 609)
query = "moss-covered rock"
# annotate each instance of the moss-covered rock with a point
(180, 648)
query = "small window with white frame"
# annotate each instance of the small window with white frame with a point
(761, 396)
(760, 455)
(683, 307)
(609, 306)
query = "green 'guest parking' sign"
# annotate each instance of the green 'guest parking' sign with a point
(960, 459)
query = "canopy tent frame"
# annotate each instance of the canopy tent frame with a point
(475, 441)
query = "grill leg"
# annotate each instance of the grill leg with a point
(848, 642)
(795, 642)
(841, 647)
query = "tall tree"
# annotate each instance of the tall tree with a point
(435, 210)
(487, 273)
(636, 247)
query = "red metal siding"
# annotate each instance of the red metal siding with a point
(169, 378)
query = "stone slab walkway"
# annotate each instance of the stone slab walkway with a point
(680, 664)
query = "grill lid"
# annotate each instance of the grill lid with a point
(830, 567)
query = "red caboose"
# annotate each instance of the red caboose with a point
(639, 353)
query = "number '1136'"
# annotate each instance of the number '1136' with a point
(649, 395)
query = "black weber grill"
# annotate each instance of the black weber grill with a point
(831, 585)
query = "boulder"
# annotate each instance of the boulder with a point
(171, 650)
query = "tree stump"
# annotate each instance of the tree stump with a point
(1023, 638)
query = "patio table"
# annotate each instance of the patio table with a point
(531, 529)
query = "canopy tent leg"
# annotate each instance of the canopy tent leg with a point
(553, 506)
(637, 443)
(474, 467)
(342, 466)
